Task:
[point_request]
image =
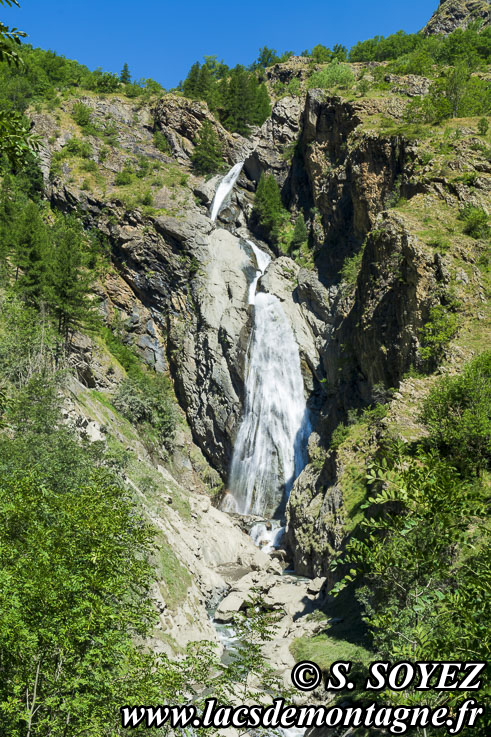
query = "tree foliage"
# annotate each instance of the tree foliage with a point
(237, 96)
(268, 206)
(207, 157)
(457, 413)
(335, 74)
(471, 46)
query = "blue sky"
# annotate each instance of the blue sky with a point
(161, 39)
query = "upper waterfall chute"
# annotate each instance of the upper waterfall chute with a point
(262, 260)
(224, 189)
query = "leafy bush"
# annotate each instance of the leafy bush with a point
(421, 563)
(437, 333)
(147, 198)
(81, 114)
(483, 126)
(339, 435)
(335, 75)
(161, 143)
(123, 178)
(476, 222)
(147, 400)
(351, 268)
(75, 147)
(88, 165)
(457, 414)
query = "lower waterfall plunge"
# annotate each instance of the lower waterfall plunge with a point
(270, 448)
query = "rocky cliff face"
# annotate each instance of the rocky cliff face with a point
(453, 14)
(179, 287)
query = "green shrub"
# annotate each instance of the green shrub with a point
(148, 401)
(483, 126)
(143, 167)
(147, 198)
(457, 414)
(88, 165)
(294, 88)
(476, 222)
(123, 178)
(339, 435)
(76, 147)
(437, 333)
(161, 143)
(81, 114)
(351, 268)
(334, 75)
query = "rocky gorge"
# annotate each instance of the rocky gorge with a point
(381, 201)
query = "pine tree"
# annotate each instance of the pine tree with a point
(238, 101)
(262, 105)
(69, 281)
(191, 83)
(300, 235)
(31, 256)
(207, 157)
(268, 206)
(9, 220)
(205, 85)
(125, 76)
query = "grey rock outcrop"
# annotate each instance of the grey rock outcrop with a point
(453, 14)
(273, 146)
(180, 120)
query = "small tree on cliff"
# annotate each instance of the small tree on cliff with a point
(207, 157)
(125, 76)
(300, 235)
(268, 206)
(69, 281)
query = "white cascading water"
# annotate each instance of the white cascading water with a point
(224, 189)
(269, 451)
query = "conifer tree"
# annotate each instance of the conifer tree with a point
(191, 83)
(268, 206)
(205, 85)
(8, 221)
(32, 255)
(239, 100)
(207, 157)
(125, 76)
(69, 281)
(300, 235)
(262, 105)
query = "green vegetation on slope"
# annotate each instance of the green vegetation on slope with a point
(420, 558)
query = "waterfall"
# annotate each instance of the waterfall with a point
(224, 189)
(269, 451)
(262, 260)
